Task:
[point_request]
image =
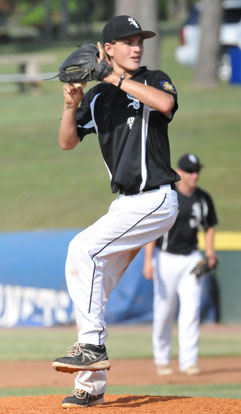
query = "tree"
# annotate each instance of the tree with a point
(147, 14)
(178, 9)
(209, 45)
(64, 19)
(47, 22)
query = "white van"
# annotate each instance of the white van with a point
(230, 35)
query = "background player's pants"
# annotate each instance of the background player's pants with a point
(98, 257)
(174, 281)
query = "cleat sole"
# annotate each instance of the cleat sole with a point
(90, 404)
(98, 366)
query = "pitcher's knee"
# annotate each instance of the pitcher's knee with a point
(79, 251)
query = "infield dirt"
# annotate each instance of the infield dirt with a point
(123, 404)
(131, 372)
(123, 372)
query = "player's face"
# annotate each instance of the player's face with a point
(126, 53)
(190, 179)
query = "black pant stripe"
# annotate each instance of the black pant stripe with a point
(112, 241)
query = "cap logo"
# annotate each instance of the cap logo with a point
(192, 158)
(133, 21)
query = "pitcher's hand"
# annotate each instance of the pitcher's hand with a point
(73, 93)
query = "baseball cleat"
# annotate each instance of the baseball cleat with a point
(192, 370)
(83, 357)
(81, 398)
(164, 370)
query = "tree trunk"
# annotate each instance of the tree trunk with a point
(209, 45)
(147, 14)
(182, 9)
(48, 25)
(178, 9)
(64, 20)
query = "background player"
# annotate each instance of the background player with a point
(176, 255)
(130, 112)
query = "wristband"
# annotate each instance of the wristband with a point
(120, 81)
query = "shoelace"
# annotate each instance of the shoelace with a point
(75, 350)
(80, 394)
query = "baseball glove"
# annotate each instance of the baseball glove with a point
(201, 268)
(82, 66)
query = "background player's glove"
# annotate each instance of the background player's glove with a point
(82, 65)
(201, 268)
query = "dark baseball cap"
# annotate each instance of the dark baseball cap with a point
(189, 163)
(123, 26)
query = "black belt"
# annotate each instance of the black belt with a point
(127, 193)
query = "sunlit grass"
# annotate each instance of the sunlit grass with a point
(45, 187)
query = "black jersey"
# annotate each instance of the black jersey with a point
(196, 211)
(133, 137)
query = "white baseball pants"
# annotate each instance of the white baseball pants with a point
(174, 281)
(98, 256)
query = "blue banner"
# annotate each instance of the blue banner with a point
(33, 289)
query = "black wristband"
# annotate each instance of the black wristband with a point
(120, 81)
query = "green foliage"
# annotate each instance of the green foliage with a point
(163, 9)
(30, 16)
(32, 13)
(164, 6)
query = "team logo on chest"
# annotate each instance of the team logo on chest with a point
(196, 216)
(130, 121)
(135, 103)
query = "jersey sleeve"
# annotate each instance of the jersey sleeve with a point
(209, 213)
(163, 82)
(84, 122)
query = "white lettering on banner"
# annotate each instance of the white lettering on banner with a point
(32, 306)
(10, 298)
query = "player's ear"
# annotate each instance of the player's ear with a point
(109, 50)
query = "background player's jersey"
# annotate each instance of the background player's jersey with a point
(133, 137)
(196, 211)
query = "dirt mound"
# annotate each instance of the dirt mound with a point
(123, 404)
(26, 374)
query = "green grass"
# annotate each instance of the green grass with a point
(44, 187)
(204, 390)
(20, 392)
(123, 342)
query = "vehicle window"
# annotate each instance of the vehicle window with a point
(229, 16)
(193, 18)
(232, 16)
